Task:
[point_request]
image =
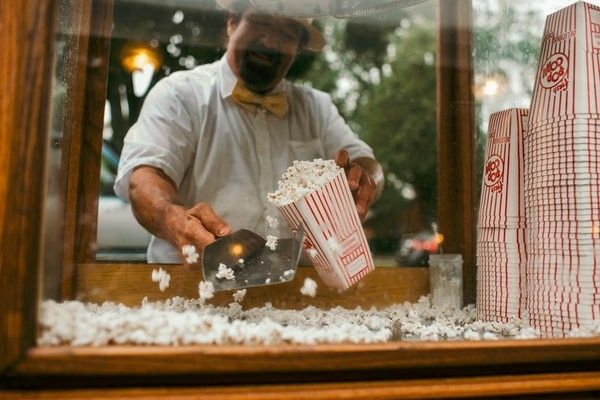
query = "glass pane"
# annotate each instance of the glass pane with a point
(199, 126)
(363, 67)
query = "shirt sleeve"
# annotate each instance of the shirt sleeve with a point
(162, 137)
(336, 134)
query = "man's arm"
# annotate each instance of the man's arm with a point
(365, 178)
(155, 205)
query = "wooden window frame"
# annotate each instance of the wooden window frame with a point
(400, 368)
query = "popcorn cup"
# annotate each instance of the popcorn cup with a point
(568, 76)
(335, 240)
(501, 200)
(501, 250)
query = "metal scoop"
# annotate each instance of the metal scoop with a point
(252, 262)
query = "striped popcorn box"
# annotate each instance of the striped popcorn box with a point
(568, 78)
(501, 203)
(334, 237)
(501, 250)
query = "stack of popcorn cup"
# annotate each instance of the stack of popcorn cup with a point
(316, 194)
(562, 175)
(501, 251)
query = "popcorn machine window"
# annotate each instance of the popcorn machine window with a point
(417, 83)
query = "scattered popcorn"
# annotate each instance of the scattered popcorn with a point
(309, 288)
(334, 246)
(180, 321)
(268, 280)
(272, 222)
(287, 273)
(271, 242)
(189, 250)
(303, 177)
(312, 252)
(206, 290)
(225, 272)
(239, 295)
(162, 277)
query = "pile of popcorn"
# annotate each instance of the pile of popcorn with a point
(303, 177)
(180, 321)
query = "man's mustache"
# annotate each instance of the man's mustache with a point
(274, 56)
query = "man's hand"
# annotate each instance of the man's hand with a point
(365, 179)
(198, 225)
(154, 203)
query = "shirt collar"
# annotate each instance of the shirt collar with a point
(228, 79)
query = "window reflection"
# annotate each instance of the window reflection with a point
(379, 70)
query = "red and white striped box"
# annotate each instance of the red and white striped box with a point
(334, 237)
(501, 250)
(500, 202)
(568, 78)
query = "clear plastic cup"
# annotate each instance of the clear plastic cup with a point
(445, 280)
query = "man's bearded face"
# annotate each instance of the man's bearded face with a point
(262, 49)
(260, 66)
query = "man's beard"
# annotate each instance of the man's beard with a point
(259, 67)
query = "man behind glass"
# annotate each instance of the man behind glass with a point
(210, 143)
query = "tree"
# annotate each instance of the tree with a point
(399, 122)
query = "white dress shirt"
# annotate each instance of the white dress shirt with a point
(219, 153)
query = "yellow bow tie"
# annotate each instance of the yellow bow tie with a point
(276, 103)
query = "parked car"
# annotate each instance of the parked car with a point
(120, 236)
(414, 250)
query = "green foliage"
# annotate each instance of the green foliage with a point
(391, 105)
(398, 121)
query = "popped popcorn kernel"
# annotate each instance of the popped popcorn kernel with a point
(225, 272)
(309, 288)
(239, 295)
(271, 242)
(162, 277)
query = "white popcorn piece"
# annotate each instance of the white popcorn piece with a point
(312, 252)
(489, 336)
(162, 277)
(470, 334)
(206, 290)
(164, 282)
(272, 222)
(192, 259)
(302, 178)
(225, 272)
(188, 249)
(287, 273)
(241, 261)
(271, 242)
(156, 274)
(334, 245)
(239, 295)
(192, 256)
(309, 288)
(268, 280)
